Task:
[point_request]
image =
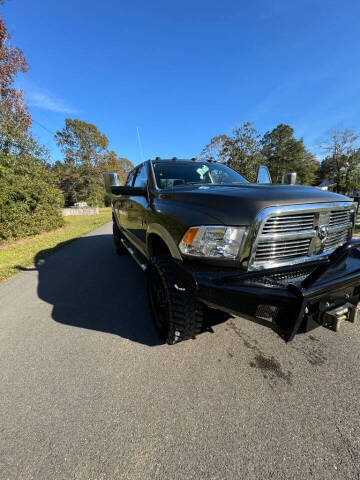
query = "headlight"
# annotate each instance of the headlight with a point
(219, 242)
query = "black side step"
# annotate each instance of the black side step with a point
(136, 255)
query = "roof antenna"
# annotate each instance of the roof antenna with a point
(140, 147)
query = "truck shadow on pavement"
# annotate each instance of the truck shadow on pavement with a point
(91, 287)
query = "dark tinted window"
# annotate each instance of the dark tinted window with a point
(141, 177)
(176, 174)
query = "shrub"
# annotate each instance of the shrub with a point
(108, 197)
(29, 201)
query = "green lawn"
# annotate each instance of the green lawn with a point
(20, 254)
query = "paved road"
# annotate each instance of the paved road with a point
(87, 391)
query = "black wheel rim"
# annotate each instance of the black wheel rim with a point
(159, 302)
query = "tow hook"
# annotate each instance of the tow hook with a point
(332, 319)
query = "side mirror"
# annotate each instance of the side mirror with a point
(289, 178)
(263, 175)
(111, 179)
(130, 191)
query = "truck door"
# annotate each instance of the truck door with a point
(138, 208)
(121, 204)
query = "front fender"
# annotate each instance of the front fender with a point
(165, 235)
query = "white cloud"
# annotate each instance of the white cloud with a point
(47, 101)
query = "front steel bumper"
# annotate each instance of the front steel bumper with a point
(289, 301)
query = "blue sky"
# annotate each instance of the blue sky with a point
(184, 71)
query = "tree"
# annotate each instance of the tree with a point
(351, 178)
(79, 183)
(69, 180)
(86, 159)
(214, 149)
(84, 148)
(283, 153)
(82, 143)
(327, 170)
(114, 163)
(241, 151)
(342, 163)
(308, 169)
(15, 118)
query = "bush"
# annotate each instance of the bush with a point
(108, 197)
(29, 201)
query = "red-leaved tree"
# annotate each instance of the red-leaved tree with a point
(15, 118)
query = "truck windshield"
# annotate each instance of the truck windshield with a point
(177, 174)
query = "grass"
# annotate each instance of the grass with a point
(20, 254)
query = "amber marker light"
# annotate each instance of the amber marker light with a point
(190, 235)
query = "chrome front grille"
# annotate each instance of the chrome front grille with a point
(289, 223)
(335, 239)
(270, 251)
(340, 218)
(299, 233)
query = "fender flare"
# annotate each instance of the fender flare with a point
(156, 228)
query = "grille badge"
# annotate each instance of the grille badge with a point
(322, 222)
(323, 232)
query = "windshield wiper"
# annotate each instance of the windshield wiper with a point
(193, 183)
(188, 183)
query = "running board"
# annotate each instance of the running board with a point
(132, 252)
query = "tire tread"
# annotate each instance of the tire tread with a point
(185, 313)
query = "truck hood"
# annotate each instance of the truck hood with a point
(239, 204)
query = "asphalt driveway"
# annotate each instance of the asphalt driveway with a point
(88, 392)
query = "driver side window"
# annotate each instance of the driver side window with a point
(141, 177)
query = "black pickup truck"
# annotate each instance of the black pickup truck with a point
(282, 255)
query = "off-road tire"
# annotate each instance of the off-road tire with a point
(181, 315)
(119, 246)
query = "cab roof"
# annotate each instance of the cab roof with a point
(187, 160)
